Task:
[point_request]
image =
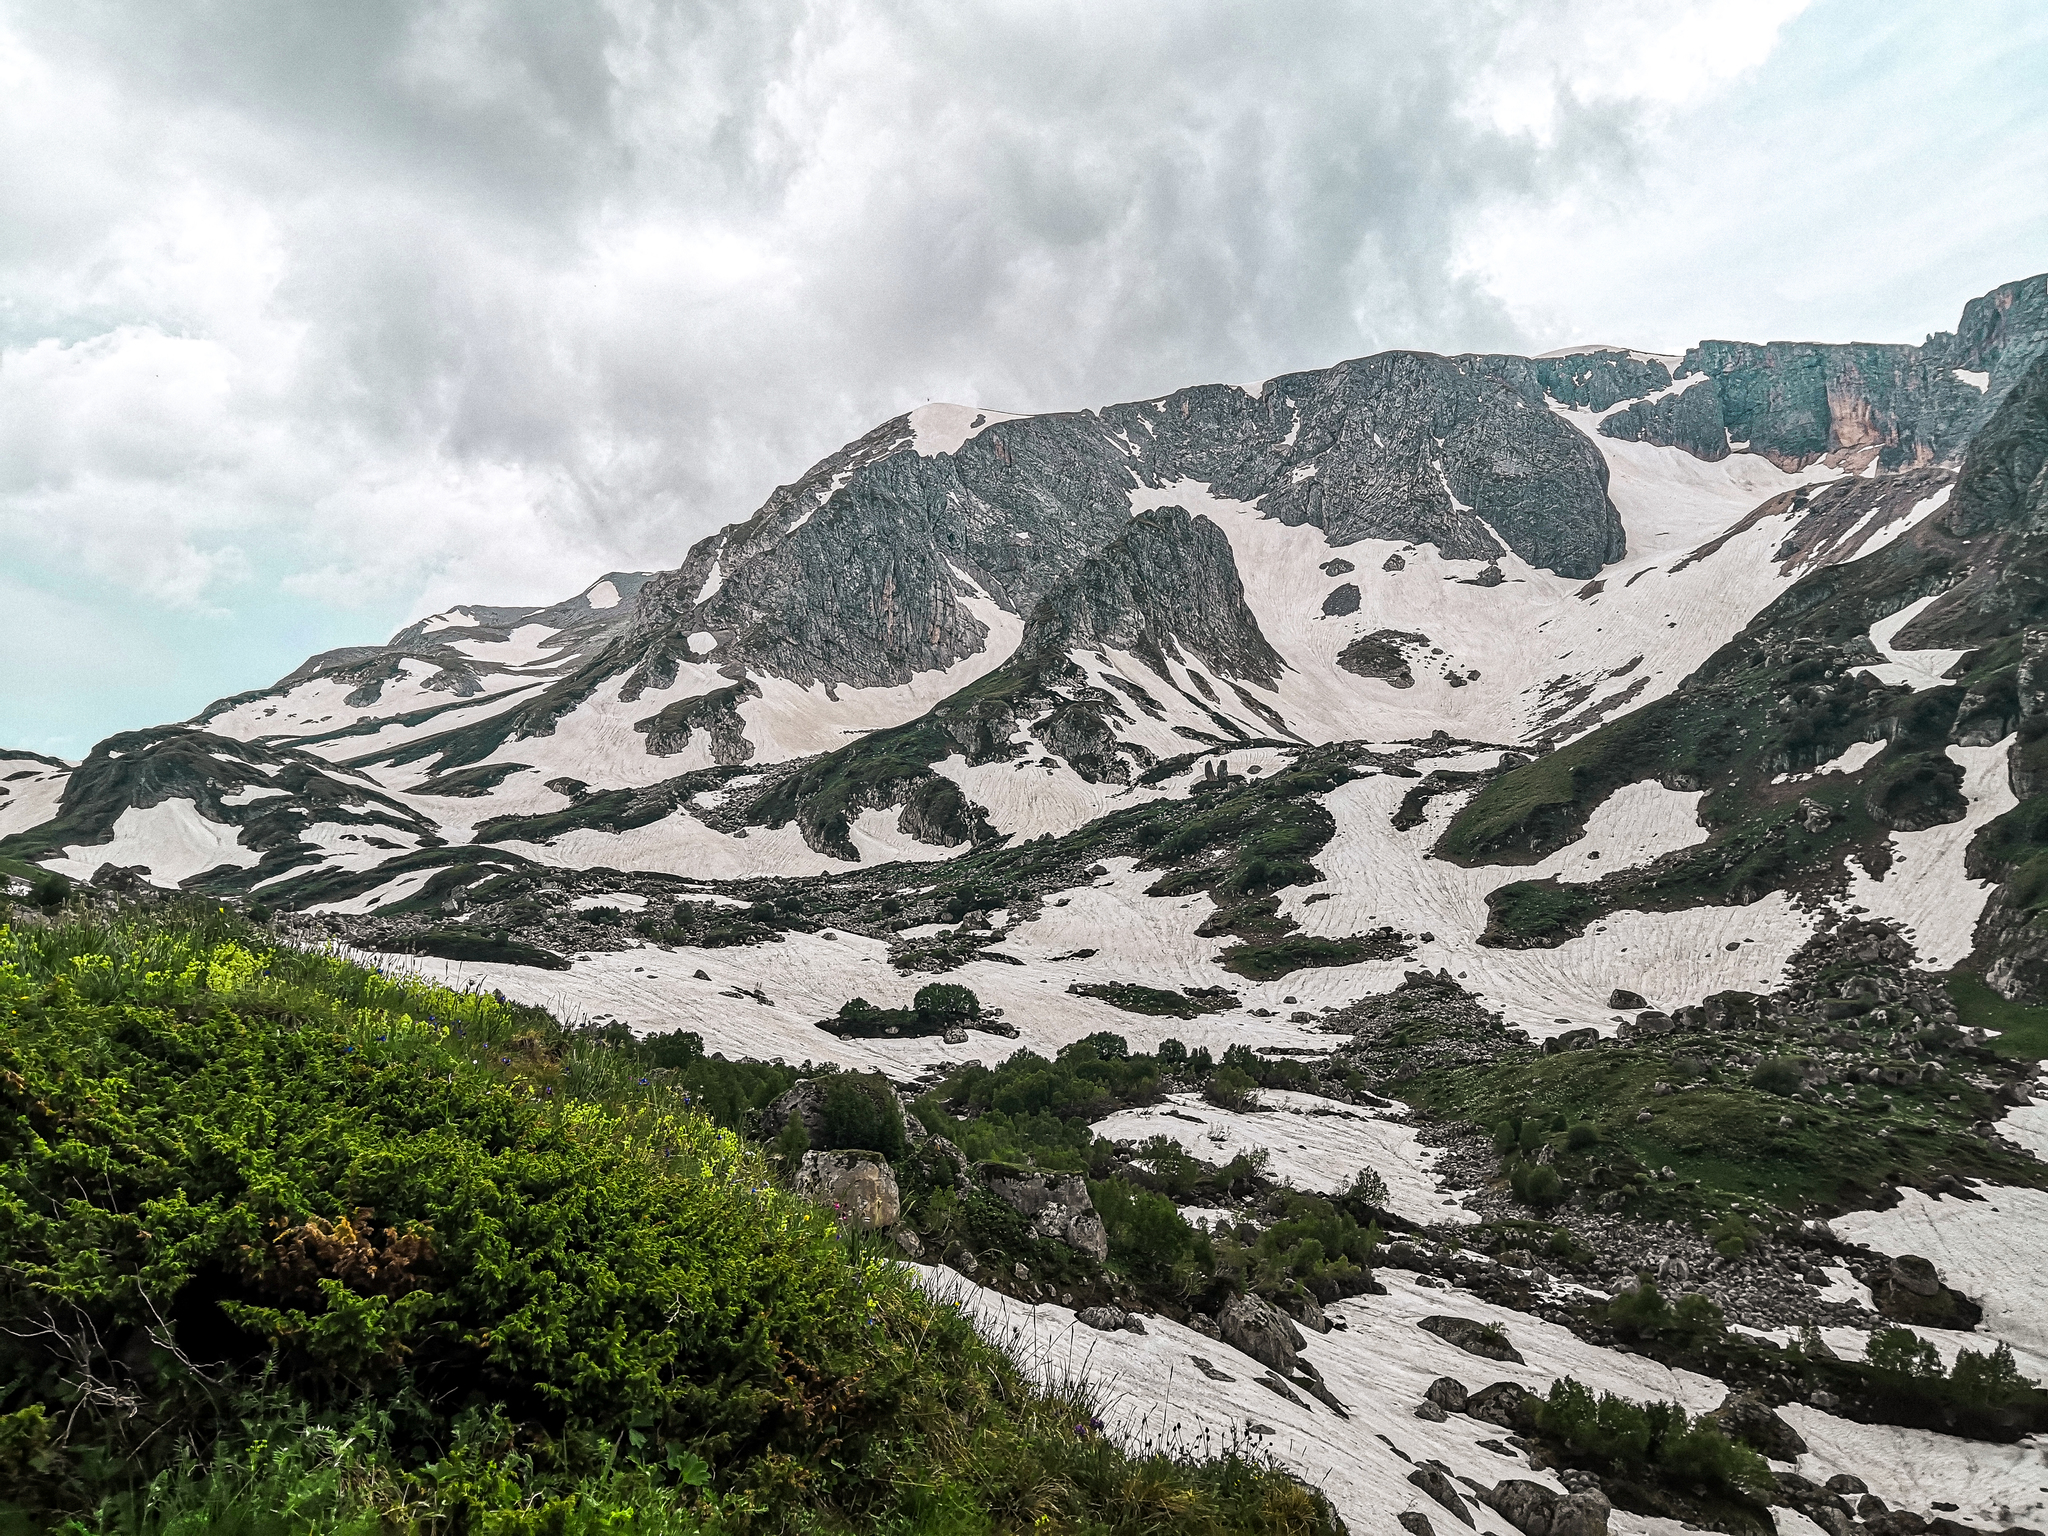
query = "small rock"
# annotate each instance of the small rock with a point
(1253, 1327)
(1625, 1001)
(1412, 1521)
(699, 976)
(1102, 1319)
(1430, 1411)
(1846, 1483)
(907, 1240)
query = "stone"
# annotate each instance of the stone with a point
(859, 1185)
(1489, 1343)
(1912, 1273)
(1581, 1514)
(1846, 1483)
(1506, 1403)
(1448, 1393)
(1525, 1505)
(1102, 1319)
(1430, 1412)
(1748, 1417)
(1394, 562)
(1307, 1311)
(907, 1240)
(1055, 1204)
(1252, 1326)
(1621, 1000)
(1440, 1488)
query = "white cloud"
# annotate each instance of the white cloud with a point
(366, 310)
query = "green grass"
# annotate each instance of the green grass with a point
(367, 1254)
(1269, 962)
(2022, 1030)
(1723, 1139)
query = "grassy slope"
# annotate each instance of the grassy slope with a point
(387, 1254)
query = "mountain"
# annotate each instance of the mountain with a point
(1603, 797)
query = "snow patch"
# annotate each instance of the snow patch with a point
(941, 428)
(1977, 379)
(1919, 670)
(171, 839)
(603, 595)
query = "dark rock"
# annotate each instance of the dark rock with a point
(1747, 1416)
(1383, 655)
(1440, 1488)
(1341, 601)
(1448, 1393)
(1525, 1505)
(1623, 1001)
(1102, 1319)
(1475, 1338)
(1430, 1411)
(1412, 1521)
(1394, 562)
(1505, 1403)
(1251, 1325)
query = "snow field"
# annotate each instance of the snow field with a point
(1851, 759)
(1316, 1145)
(1927, 889)
(32, 800)
(1376, 874)
(171, 838)
(941, 428)
(1920, 670)
(1149, 1392)
(1993, 1250)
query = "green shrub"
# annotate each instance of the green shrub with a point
(1148, 1237)
(861, 1113)
(1369, 1188)
(946, 1002)
(1581, 1137)
(50, 891)
(1228, 1088)
(1537, 1184)
(1902, 1352)
(1652, 1440)
(1781, 1075)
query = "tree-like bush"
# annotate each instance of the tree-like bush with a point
(946, 1002)
(861, 1112)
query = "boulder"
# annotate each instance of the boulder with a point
(1055, 1204)
(1439, 1487)
(1308, 1312)
(1448, 1393)
(1747, 1417)
(1912, 1273)
(1506, 1403)
(1430, 1412)
(1581, 1514)
(1253, 1327)
(859, 1185)
(1475, 1338)
(1525, 1505)
(1621, 1000)
(1102, 1319)
(1572, 1040)
(907, 1240)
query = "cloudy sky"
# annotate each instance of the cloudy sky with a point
(314, 319)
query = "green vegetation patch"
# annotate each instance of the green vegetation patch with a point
(400, 1258)
(1156, 1001)
(460, 943)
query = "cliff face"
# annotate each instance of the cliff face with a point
(1798, 402)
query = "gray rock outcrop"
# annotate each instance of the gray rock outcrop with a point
(1056, 1205)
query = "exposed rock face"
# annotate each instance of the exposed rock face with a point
(716, 713)
(1796, 402)
(1252, 1326)
(1434, 1482)
(860, 1185)
(1167, 586)
(1056, 1205)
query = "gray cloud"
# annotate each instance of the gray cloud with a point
(354, 310)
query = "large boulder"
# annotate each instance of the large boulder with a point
(1581, 1514)
(1748, 1417)
(1252, 1326)
(1506, 1403)
(1525, 1505)
(858, 1185)
(1055, 1204)
(804, 1100)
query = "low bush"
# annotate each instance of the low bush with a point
(397, 1258)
